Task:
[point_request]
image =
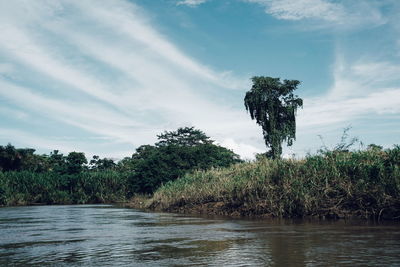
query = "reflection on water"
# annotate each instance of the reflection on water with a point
(104, 235)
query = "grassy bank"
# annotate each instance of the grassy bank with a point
(331, 184)
(25, 188)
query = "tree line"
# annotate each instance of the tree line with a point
(73, 176)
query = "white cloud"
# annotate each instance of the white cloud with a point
(191, 3)
(377, 71)
(6, 68)
(363, 77)
(327, 13)
(14, 113)
(89, 116)
(328, 111)
(24, 139)
(17, 43)
(127, 20)
(359, 91)
(245, 150)
(303, 9)
(156, 86)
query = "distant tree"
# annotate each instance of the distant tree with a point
(187, 136)
(273, 105)
(98, 164)
(143, 152)
(75, 162)
(32, 162)
(57, 162)
(176, 153)
(21, 159)
(10, 159)
(126, 164)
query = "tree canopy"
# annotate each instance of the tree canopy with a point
(176, 153)
(273, 105)
(98, 164)
(186, 136)
(15, 159)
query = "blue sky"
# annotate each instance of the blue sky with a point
(105, 77)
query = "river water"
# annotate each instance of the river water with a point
(104, 235)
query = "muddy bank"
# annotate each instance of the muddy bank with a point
(218, 208)
(259, 210)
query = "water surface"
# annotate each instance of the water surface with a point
(104, 235)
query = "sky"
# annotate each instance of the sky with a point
(104, 77)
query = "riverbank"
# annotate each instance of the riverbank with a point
(362, 184)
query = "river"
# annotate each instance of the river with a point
(106, 235)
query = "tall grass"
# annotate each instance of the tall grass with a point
(333, 183)
(22, 188)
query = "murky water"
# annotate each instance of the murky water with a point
(102, 235)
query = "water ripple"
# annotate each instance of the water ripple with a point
(104, 235)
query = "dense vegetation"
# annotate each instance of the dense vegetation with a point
(336, 183)
(24, 187)
(28, 178)
(173, 155)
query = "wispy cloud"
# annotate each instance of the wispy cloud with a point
(375, 72)
(344, 14)
(303, 9)
(6, 69)
(26, 139)
(154, 85)
(191, 3)
(25, 50)
(361, 90)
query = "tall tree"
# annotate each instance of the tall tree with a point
(273, 105)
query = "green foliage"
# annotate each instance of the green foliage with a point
(57, 179)
(126, 165)
(330, 184)
(273, 105)
(10, 159)
(175, 154)
(187, 136)
(57, 162)
(24, 187)
(162, 164)
(24, 159)
(13, 159)
(99, 164)
(75, 162)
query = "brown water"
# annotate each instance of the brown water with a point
(103, 235)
